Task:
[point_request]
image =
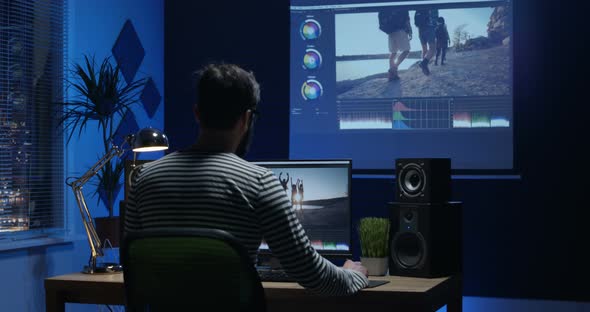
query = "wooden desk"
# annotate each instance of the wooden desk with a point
(400, 294)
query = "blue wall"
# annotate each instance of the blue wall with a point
(93, 28)
(520, 235)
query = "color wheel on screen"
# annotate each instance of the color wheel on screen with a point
(311, 89)
(310, 29)
(312, 59)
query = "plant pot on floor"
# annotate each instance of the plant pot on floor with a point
(375, 266)
(108, 228)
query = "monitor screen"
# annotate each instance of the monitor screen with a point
(347, 101)
(319, 191)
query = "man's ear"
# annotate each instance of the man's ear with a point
(245, 119)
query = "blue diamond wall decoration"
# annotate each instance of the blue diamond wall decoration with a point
(128, 51)
(150, 97)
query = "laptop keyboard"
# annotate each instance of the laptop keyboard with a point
(269, 275)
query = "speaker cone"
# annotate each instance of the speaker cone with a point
(408, 249)
(412, 180)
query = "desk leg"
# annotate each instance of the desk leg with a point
(54, 302)
(456, 301)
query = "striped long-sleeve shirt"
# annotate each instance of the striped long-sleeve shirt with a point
(223, 191)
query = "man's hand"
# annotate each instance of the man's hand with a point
(355, 266)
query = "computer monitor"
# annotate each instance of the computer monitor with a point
(324, 208)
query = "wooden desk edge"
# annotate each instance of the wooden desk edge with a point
(86, 288)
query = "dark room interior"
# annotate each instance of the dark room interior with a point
(524, 245)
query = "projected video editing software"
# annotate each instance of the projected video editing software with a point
(343, 104)
(320, 194)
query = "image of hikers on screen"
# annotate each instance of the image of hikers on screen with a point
(423, 51)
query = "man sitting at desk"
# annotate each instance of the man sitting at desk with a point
(209, 185)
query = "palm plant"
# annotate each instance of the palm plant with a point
(102, 97)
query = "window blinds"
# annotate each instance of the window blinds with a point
(32, 63)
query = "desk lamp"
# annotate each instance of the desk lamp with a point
(145, 140)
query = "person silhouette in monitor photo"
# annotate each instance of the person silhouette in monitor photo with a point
(215, 187)
(395, 22)
(300, 189)
(284, 182)
(294, 193)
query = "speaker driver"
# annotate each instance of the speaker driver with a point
(412, 180)
(409, 249)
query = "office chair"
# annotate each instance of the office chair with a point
(189, 270)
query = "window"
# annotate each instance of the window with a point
(32, 61)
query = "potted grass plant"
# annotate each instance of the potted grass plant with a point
(101, 99)
(374, 240)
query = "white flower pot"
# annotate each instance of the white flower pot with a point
(375, 266)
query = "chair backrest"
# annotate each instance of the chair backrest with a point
(188, 270)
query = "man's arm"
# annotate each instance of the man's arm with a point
(290, 244)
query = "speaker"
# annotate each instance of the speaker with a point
(423, 180)
(425, 239)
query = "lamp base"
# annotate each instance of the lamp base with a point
(103, 268)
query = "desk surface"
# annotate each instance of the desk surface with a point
(414, 294)
(396, 283)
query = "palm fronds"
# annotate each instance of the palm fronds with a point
(101, 95)
(108, 181)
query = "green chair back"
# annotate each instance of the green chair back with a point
(189, 270)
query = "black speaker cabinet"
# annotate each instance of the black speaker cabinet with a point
(425, 239)
(423, 180)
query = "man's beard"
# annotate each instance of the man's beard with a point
(244, 145)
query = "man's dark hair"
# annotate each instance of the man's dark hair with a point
(224, 93)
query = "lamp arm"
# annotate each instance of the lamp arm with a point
(114, 151)
(93, 239)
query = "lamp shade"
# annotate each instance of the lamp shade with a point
(150, 140)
